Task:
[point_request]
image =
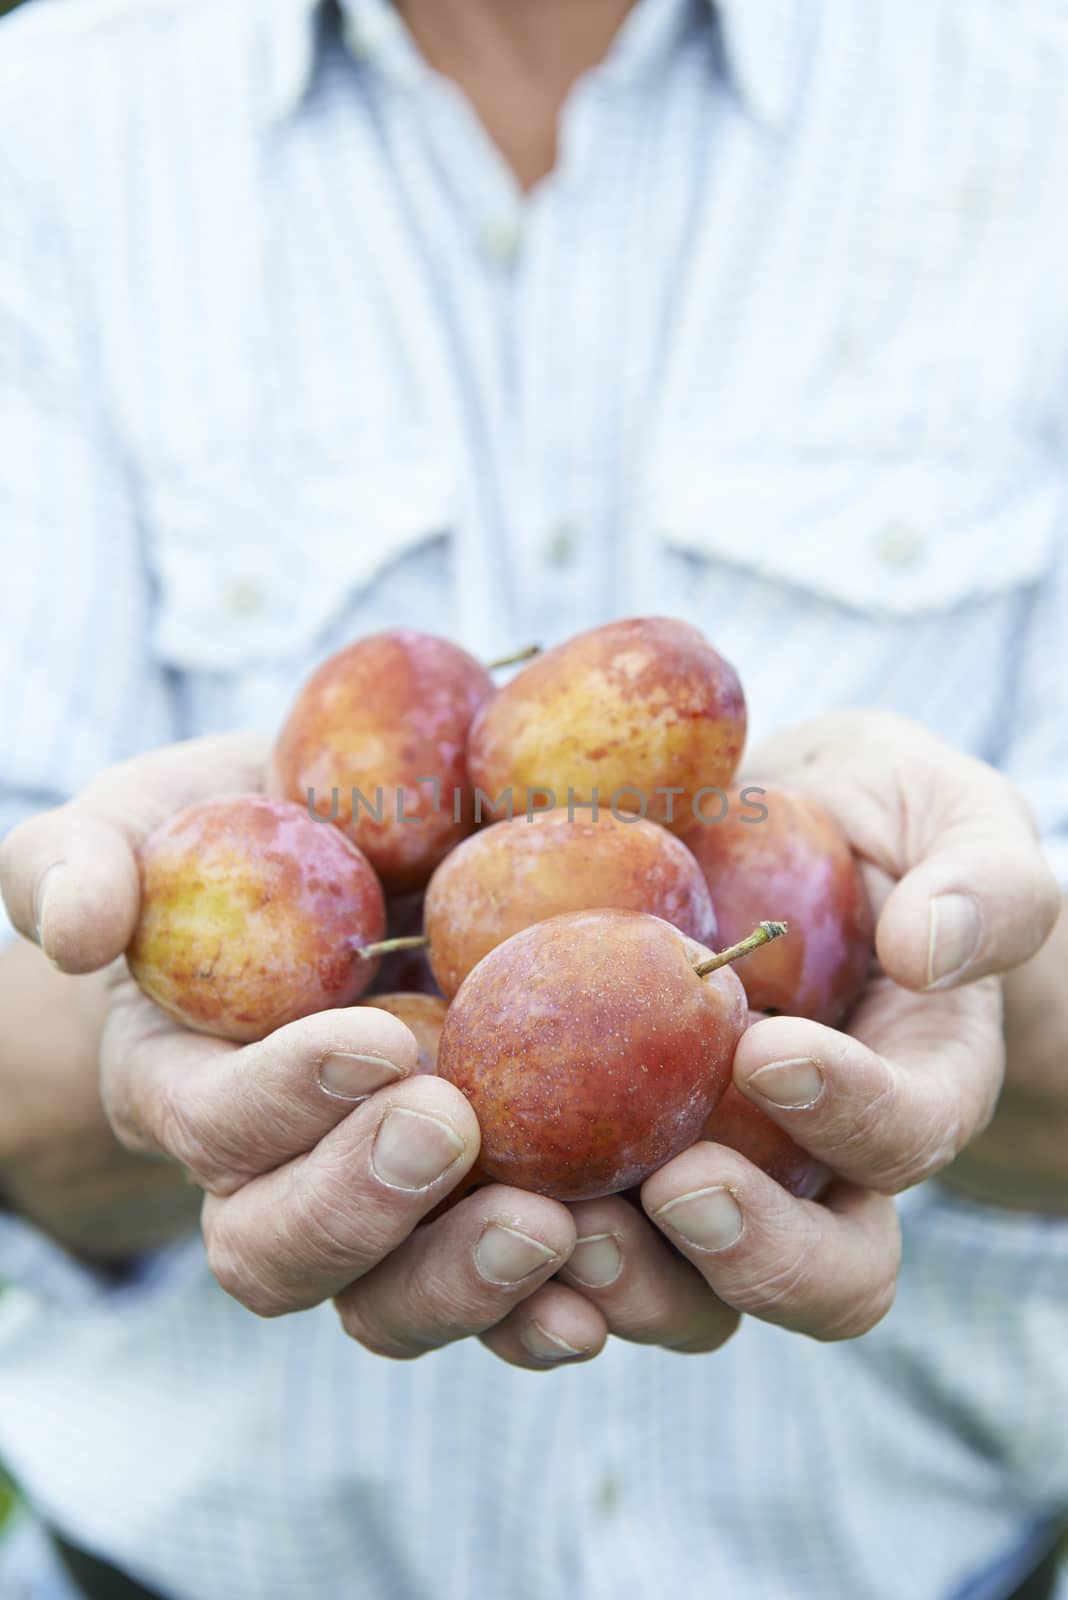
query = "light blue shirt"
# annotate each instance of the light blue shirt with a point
(780, 347)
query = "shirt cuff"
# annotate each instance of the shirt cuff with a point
(35, 1268)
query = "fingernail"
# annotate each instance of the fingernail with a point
(505, 1256)
(412, 1150)
(545, 1346)
(954, 929)
(791, 1085)
(40, 895)
(348, 1076)
(596, 1260)
(710, 1219)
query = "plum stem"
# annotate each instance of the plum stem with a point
(528, 652)
(386, 947)
(763, 933)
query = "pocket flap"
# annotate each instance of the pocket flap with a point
(255, 559)
(904, 537)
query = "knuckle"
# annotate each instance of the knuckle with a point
(863, 1137)
(336, 1227)
(180, 1131)
(363, 1323)
(231, 1269)
(937, 1144)
(775, 1290)
(861, 1316)
(712, 1338)
(648, 1322)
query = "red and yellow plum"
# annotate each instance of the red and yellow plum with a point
(252, 914)
(624, 710)
(516, 873)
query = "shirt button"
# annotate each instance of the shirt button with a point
(501, 241)
(900, 545)
(244, 597)
(560, 545)
(606, 1499)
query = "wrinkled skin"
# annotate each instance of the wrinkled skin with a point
(252, 915)
(384, 713)
(742, 1126)
(423, 1014)
(646, 703)
(795, 866)
(516, 873)
(590, 1051)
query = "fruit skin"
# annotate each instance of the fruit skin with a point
(517, 873)
(646, 702)
(424, 1014)
(252, 915)
(380, 714)
(742, 1126)
(795, 865)
(591, 1051)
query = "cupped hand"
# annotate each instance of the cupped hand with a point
(319, 1149)
(962, 893)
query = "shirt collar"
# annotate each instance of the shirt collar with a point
(762, 44)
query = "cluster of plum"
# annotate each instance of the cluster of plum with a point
(533, 878)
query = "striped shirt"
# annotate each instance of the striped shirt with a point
(781, 348)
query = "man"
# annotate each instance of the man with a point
(501, 319)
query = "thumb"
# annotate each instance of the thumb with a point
(70, 878)
(978, 896)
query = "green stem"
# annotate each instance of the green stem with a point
(527, 653)
(763, 934)
(386, 947)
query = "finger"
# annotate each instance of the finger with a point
(303, 1233)
(975, 894)
(825, 1269)
(894, 1100)
(459, 1276)
(555, 1327)
(227, 1112)
(646, 1291)
(69, 877)
(979, 896)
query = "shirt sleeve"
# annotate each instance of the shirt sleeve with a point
(79, 688)
(1035, 752)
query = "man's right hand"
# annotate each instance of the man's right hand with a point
(319, 1149)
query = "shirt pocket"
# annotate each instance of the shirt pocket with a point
(890, 536)
(258, 560)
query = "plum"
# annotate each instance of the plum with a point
(517, 873)
(252, 915)
(375, 743)
(424, 1014)
(625, 710)
(798, 862)
(591, 1050)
